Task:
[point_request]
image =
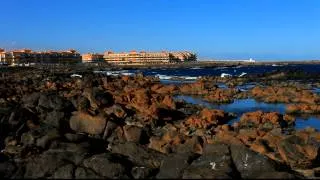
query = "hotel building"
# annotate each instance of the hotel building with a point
(92, 57)
(28, 56)
(25, 56)
(2, 56)
(134, 57)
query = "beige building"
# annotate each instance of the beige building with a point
(28, 56)
(134, 57)
(2, 56)
(184, 56)
(92, 57)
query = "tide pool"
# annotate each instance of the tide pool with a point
(241, 106)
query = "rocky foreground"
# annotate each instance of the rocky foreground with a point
(96, 126)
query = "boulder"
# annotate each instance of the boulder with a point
(116, 110)
(43, 165)
(197, 88)
(207, 118)
(138, 155)
(228, 137)
(125, 78)
(103, 99)
(54, 102)
(166, 114)
(280, 94)
(84, 173)
(27, 139)
(276, 175)
(106, 166)
(41, 136)
(303, 108)
(169, 102)
(74, 137)
(19, 116)
(110, 127)
(215, 162)
(194, 144)
(141, 172)
(173, 165)
(7, 169)
(299, 152)
(164, 89)
(55, 118)
(168, 142)
(221, 95)
(72, 152)
(44, 141)
(250, 163)
(132, 133)
(98, 98)
(31, 100)
(268, 120)
(83, 122)
(64, 172)
(81, 103)
(247, 136)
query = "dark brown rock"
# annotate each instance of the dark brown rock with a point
(132, 133)
(83, 122)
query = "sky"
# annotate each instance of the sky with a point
(214, 29)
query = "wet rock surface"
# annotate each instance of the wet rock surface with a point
(98, 126)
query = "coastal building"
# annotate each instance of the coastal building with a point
(92, 57)
(143, 57)
(184, 56)
(69, 56)
(2, 56)
(24, 56)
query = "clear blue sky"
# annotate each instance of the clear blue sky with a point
(261, 29)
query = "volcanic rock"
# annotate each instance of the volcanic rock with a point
(83, 122)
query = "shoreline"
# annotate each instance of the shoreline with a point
(200, 64)
(92, 120)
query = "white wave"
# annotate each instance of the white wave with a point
(166, 77)
(196, 68)
(76, 75)
(115, 73)
(190, 77)
(243, 90)
(225, 75)
(242, 74)
(127, 74)
(276, 65)
(101, 72)
(160, 76)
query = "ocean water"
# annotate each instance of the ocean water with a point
(189, 75)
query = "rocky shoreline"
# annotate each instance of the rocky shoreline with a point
(191, 64)
(54, 125)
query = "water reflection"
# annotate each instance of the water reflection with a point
(240, 106)
(316, 90)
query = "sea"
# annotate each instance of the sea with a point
(239, 106)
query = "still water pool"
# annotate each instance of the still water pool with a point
(240, 106)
